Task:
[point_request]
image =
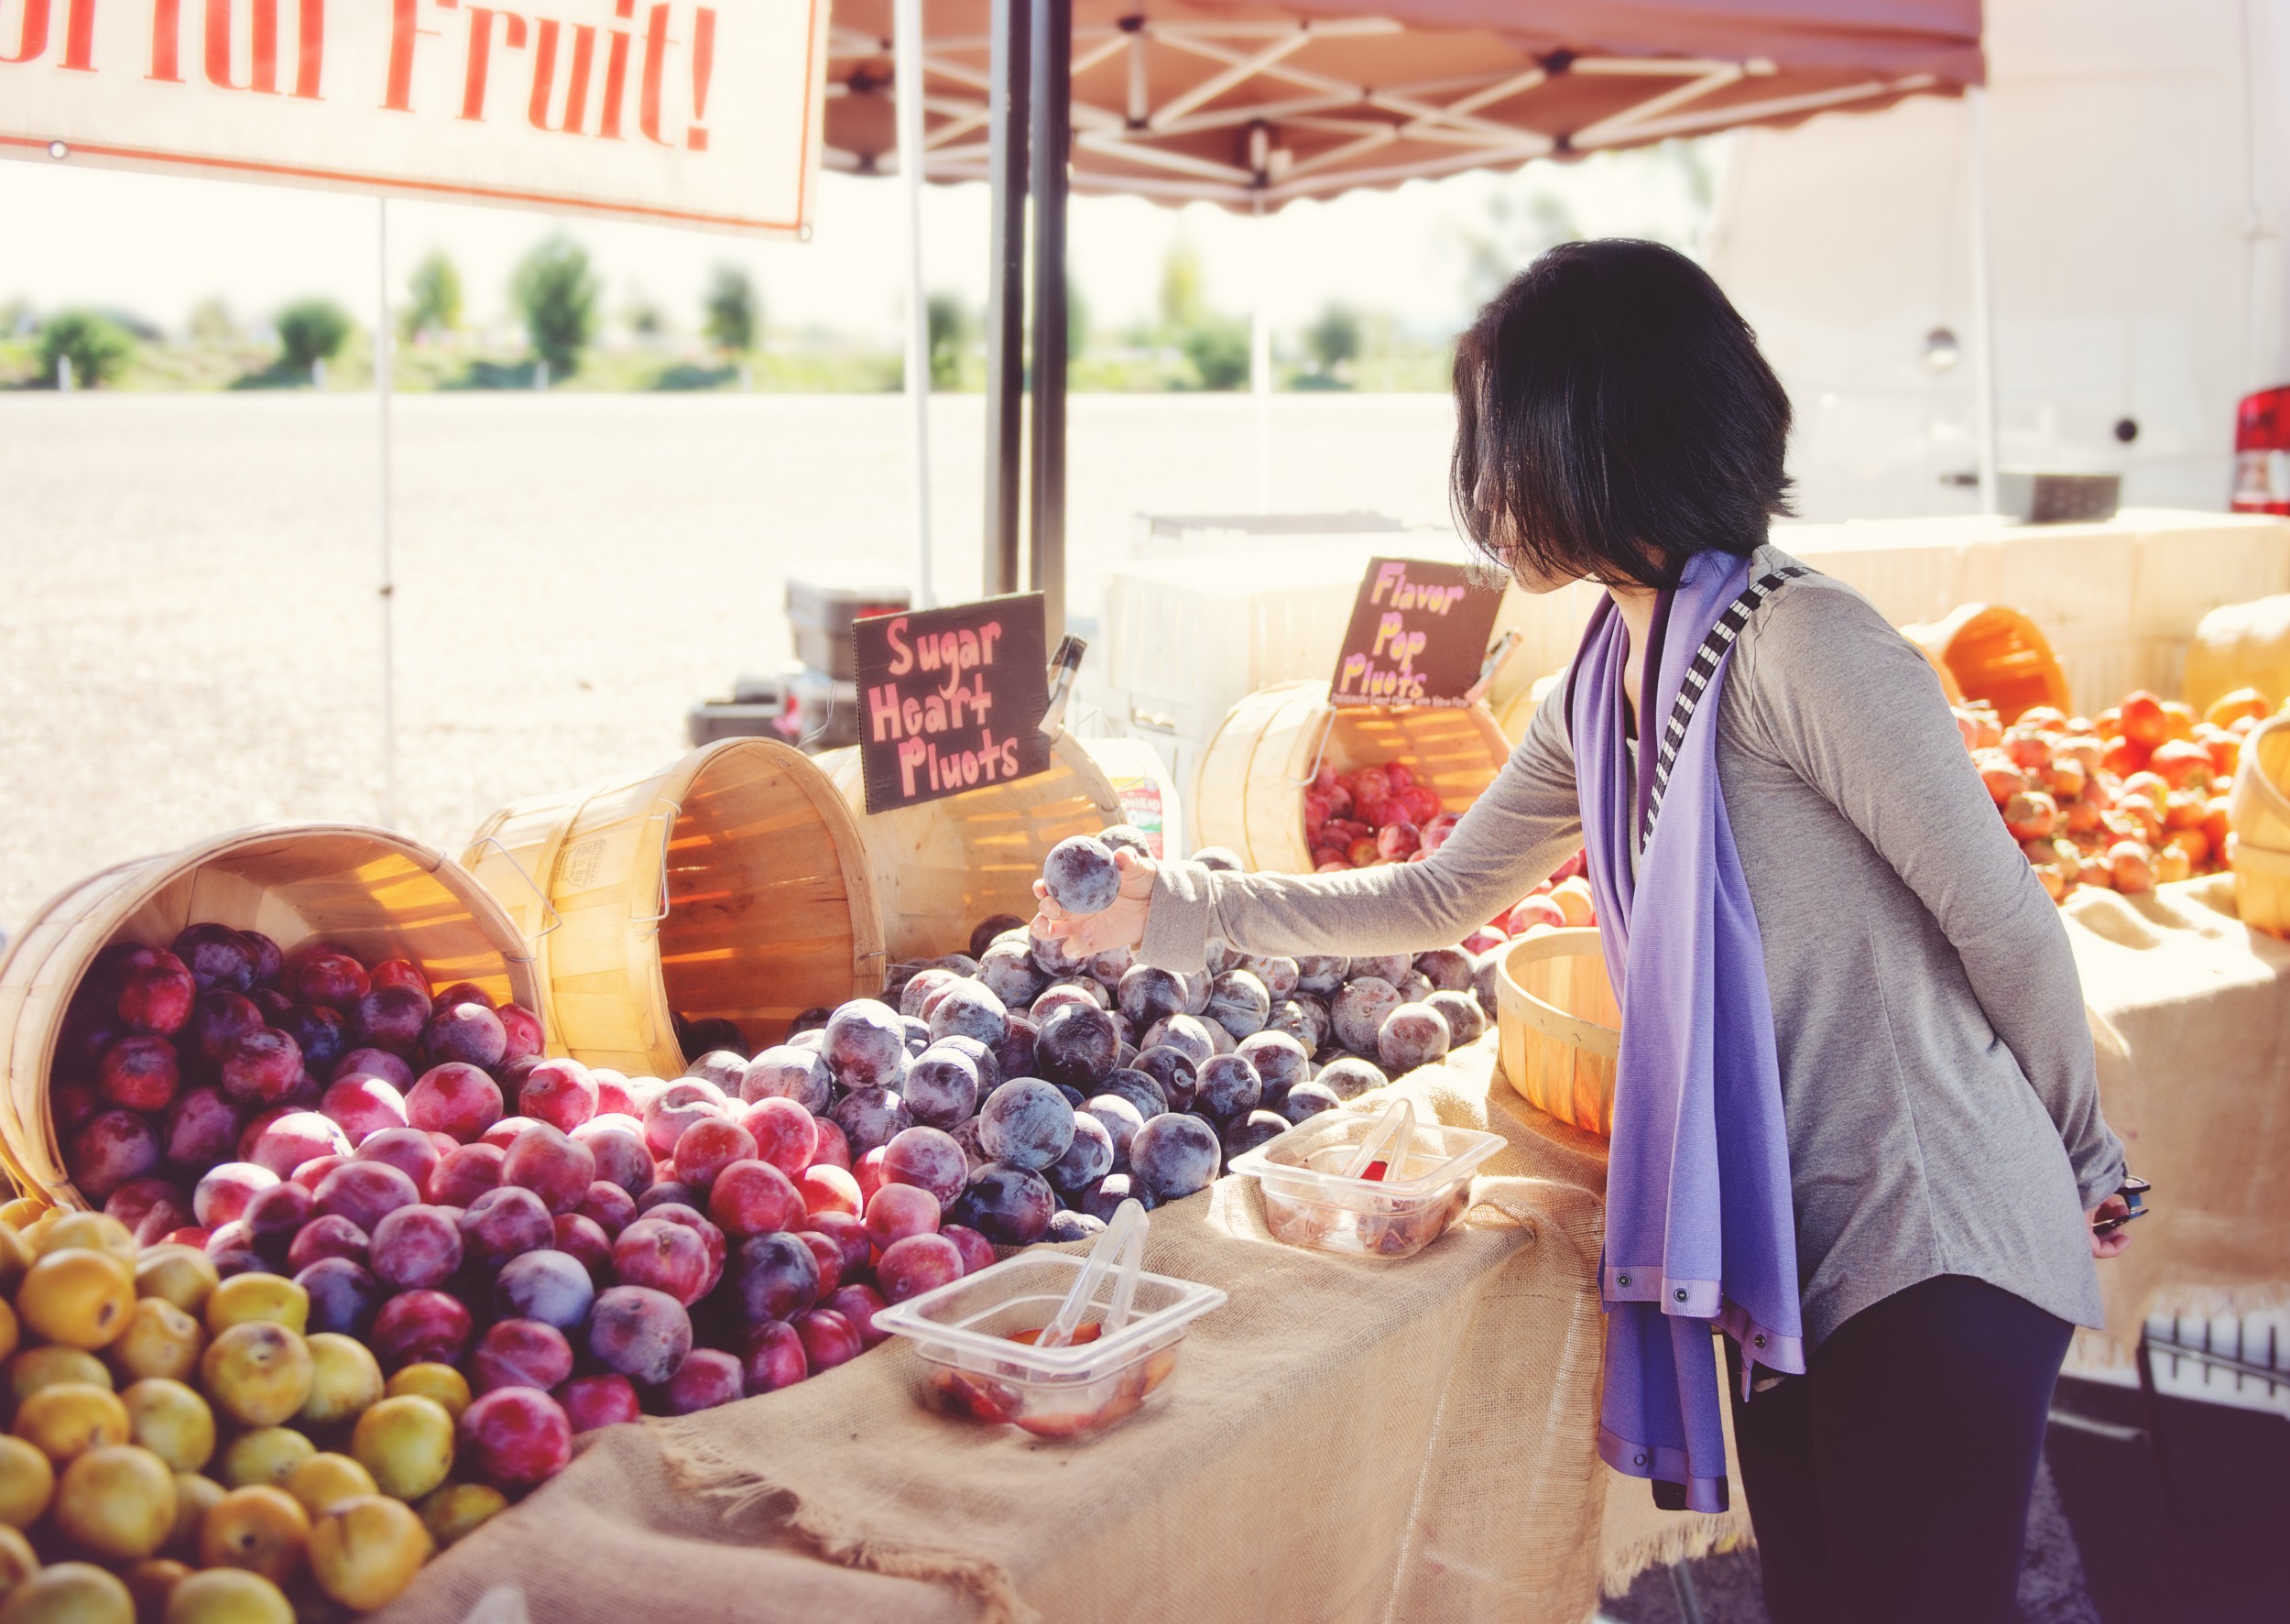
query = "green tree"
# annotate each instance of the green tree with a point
(556, 291)
(950, 334)
(1181, 302)
(730, 316)
(1218, 349)
(1334, 339)
(435, 303)
(98, 347)
(211, 321)
(310, 331)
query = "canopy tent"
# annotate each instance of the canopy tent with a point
(1253, 104)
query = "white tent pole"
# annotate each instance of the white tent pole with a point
(1983, 303)
(389, 585)
(906, 65)
(1261, 364)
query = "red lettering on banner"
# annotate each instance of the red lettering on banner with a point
(545, 77)
(32, 38)
(262, 71)
(702, 70)
(79, 37)
(656, 44)
(616, 72)
(309, 48)
(472, 94)
(404, 29)
(167, 40)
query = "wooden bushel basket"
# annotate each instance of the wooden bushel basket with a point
(730, 886)
(1988, 651)
(1250, 793)
(2258, 810)
(1560, 1028)
(374, 894)
(941, 867)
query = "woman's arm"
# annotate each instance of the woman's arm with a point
(1524, 826)
(1858, 713)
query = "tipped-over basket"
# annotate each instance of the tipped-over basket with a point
(942, 867)
(374, 894)
(1561, 1028)
(1991, 652)
(729, 886)
(2258, 808)
(1249, 794)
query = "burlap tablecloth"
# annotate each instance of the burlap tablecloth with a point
(2190, 1014)
(1344, 1440)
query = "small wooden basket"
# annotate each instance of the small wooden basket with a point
(1560, 1027)
(1988, 651)
(941, 867)
(2258, 810)
(374, 894)
(1250, 793)
(731, 884)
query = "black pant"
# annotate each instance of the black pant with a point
(1891, 1482)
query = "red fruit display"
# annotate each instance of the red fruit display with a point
(517, 1436)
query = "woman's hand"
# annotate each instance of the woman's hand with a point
(2114, 1242)
(1122, 925)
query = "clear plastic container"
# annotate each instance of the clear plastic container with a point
(1309, 1202)
(963, 1333)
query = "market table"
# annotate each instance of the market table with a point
(1344, 1439)
(2190, 1016)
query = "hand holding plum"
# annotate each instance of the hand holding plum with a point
(1120, 924)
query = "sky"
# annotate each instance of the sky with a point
(157, 246)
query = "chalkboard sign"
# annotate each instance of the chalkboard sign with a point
(951, 698)
(1418, 636)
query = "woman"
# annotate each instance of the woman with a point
(1858, 1126)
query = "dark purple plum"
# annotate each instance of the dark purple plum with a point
(469, 1034)
(1068, 1225)
(1088, 1159)
(1230, 1087)
(1302, 1018)
(201, 1128)
(1277, 973)
(919, 986)
(1196, 990)
(344, 1296)
(941, 1086)
(1079, 1046)
(1147, 994)
(1358, 1011)
(1126, 837)
(1308, 1099)
(1120, 1119)
(1280, 1060)
(866, 1045)
(1412, 1035)
(1071, 1095)
(390, 1068)
(1466, 1021)
(1223, 859)
(1238, 1002)
(788, 1073)
(219, 1020)
(111, 1149)
(503, 1223)
(1140, 1088)
(1349, 1077)
(1015, 1055)
(639, 1332)
(1009, 1205)
(1256, 1128)
(1104, 1198)
(1485, 971)
(965, 1134)
(969, 1008)
(1414, 987)
(1388, 966)
(1080, 875)
(216, 956)
(1025, 1123)
(1059, 994)
(870, 1117)
(1185, 1033)
(771, 1277)
(918, 1035)
(992, 926)
(1010, 971)
(1177, 1072)
(1448, 969)
(549, 1286)
(1174, 1156)
(1051, 955)
(722, 1066)
(927, 1158)
(391, 1018)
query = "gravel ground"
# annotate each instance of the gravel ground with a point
(189, 637)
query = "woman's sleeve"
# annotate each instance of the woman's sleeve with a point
(1859, 713)
(1524, 826)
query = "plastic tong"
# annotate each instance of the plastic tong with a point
(1121, 1245)
(1391, 1137)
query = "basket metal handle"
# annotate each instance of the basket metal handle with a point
(667, 817)
(1327, 731)
(539, 896)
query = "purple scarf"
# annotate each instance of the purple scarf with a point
(1700, 1227)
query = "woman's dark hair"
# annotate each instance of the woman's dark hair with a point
(1613, 417)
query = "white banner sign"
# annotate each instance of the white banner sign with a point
(681, 114)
